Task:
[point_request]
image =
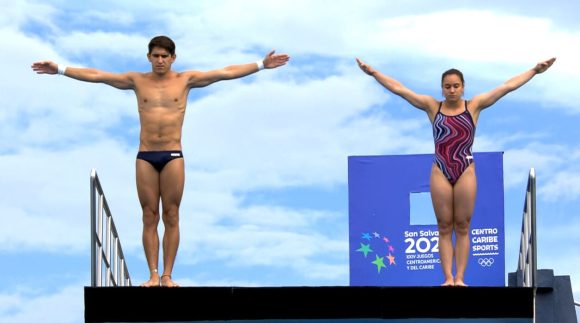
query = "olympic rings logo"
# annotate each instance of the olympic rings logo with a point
(485, 262)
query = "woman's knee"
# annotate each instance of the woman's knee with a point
(445, 227)
(462, 227)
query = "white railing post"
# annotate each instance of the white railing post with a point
(527, 263)
(93, 228)
(105, 242)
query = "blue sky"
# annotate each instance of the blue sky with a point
(266, 194)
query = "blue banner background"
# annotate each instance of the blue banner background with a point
(386, 250)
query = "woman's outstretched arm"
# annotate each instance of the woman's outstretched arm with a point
(482, 101)
(424, 102)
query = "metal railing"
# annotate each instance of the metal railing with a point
(105, 243)
(527, 264)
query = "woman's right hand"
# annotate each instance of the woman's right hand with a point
(366, 68)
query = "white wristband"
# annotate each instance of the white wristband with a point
(260, 64)
(61, 69)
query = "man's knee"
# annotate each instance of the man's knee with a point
(171, 216)
(150, 216)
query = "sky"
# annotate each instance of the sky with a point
(266, 192)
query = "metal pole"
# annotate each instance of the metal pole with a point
(532, 211)
(533, 229)
(93, 228)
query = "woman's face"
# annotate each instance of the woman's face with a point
(452, 88)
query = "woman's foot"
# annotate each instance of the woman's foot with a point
(460, 283)
(448, 282)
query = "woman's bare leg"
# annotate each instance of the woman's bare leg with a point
(464, 193)
(442, 198)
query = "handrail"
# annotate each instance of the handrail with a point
(527, 264)
(105, 243)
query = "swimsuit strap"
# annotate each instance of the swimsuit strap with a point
(470, 115)
(441, 105)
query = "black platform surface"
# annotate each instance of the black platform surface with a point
(292, 304)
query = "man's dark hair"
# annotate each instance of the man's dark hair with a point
(451, 72)
(162, 42)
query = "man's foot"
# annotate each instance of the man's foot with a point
(153, 282)
(167, 282)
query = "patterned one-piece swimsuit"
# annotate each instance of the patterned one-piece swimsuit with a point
(453, 137)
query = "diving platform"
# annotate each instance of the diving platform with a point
(308, 304)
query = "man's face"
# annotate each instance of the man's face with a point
(160, 60)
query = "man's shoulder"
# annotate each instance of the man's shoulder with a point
(134, 75)
(170, 76)
(188, 73)
(138, 74)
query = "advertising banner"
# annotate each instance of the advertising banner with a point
(393, 235)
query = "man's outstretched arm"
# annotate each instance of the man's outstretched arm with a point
(271, 60)
(121, 81)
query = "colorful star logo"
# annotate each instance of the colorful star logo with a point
(379, 263)
(379, 244)
(365, 249)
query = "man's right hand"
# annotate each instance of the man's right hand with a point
(45, 67)
(273, 60)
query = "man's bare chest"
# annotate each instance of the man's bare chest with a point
(169, 95)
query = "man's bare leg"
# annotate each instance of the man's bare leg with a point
(172, 181)
(148, 192)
